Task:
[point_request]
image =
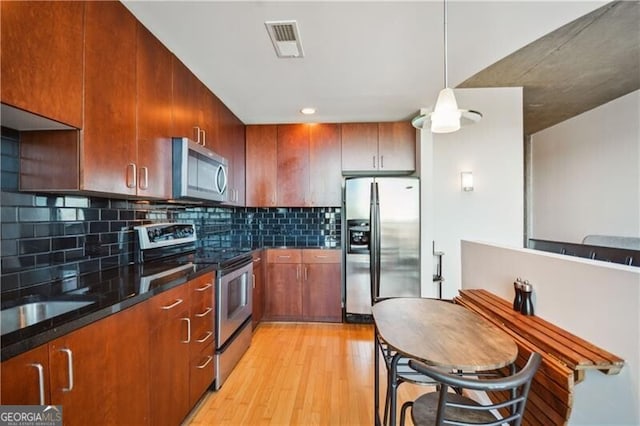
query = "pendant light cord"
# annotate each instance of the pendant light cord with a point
(446, 80)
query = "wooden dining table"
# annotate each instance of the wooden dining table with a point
(438, 333)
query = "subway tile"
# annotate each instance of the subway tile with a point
(49, 201)
(8, 214)
(119, 204)
(100, 203)
(89, 266)
(88, 214)
(64, 243)
(8, 283)
(65, 214)
(16, 199)
(74, 255)
(76, 228)
(34, 214)
(48, 229)
(117, 226)
(108, 214)
(98, 227)
(34, 277)
(125, 215)
(70, 201)
(32, 246)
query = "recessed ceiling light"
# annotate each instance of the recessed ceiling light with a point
(308, 111)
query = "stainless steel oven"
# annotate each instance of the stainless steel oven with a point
(233, 316)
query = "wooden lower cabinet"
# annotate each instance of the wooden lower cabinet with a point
(303, 285)
(24, 377)
(258, 289)
(169, 343)
(99, 373)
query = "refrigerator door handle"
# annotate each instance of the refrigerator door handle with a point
(374, 261)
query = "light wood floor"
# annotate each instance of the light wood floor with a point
(300, 374)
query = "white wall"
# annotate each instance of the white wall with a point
(597, 301)
(493, 150)
(586, 174)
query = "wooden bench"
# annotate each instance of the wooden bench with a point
(565, 357)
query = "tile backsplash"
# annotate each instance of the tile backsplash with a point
(49, 237)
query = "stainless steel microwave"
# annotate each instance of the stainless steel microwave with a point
(199, 174)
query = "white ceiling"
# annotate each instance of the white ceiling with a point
(364, 60)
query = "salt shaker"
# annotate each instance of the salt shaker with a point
(517, 300)
(526, 307)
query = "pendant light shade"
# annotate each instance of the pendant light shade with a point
(446, 117)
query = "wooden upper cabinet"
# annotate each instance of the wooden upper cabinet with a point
(261, 164)
(108, 152)
(325, 173)
(397, 146)
(41, 61)
(293, 165)
(153, 116)
(359, 147)
(185, 111)
(208, 117)
(378, 148)
(231, 142)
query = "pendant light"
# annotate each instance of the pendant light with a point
(446, 117)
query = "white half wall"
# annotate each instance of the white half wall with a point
(586, 174)
(597, 301)
(493, 151)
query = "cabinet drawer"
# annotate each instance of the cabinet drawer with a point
(170, 304)
(202, 292)
(321, 256)
(202, 372)
(284, 256)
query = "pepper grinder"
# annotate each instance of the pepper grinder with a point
(517, 300)
(526, 307)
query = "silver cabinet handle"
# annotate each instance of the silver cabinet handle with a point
(204, 287)
(321, 256)
(205, 313)
(197, 133)
(298, 272)
(257, 259)
(173, 305)
(382, 161)
(204, 137)
(374, 161)
(253, 279)
(205, 338)
(131, 177)
(144, 178)
(40, 380)
(69, 369)
(209, 358)
(305, 274)
(188, 330)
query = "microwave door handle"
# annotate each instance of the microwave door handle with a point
(221, 174)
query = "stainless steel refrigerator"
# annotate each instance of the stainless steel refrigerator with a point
(381, 241)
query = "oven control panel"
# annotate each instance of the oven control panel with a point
(165, 234)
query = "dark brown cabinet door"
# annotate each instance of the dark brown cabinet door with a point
(108, 152)
(293, 165)
(208, 117)
(231, 138)
(283, 295)
(359, 147)
(261, 169)
(101, 371)
(41, 61)
(321, 292)
(153, 116)
(397, 146)
(169, 364)
(185, 109)
(24, 377)
(258, 289)
(325, 172)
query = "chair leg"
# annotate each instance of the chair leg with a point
(403, 411)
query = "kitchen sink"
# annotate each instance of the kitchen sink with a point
(34, 312)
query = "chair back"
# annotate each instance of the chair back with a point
(513, 392)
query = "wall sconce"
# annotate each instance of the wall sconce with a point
(466, 179)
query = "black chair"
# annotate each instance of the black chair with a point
(448, 408)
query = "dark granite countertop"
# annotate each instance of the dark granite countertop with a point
(109, 291)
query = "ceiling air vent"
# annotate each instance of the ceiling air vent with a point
(285, 38)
